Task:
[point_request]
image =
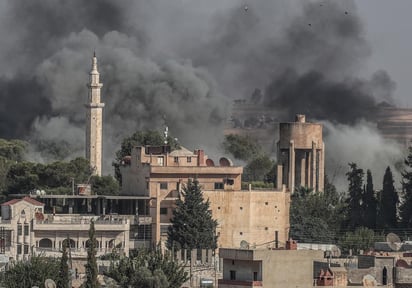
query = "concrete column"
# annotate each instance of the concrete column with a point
(313, 168)
(279, 177)
(308, 170)
(303, 170)
(322, 168)
(291, 185)
(204, 260)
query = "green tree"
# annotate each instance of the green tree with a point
(13, 150)
(63, 281)
(315, 216)
(388, 203)
(405, 209)
(192, 224)
(140, 138)
(241, 147)
(148, 267)
(104, 185)
(55, 178)
(361, 239)
(354, 201)
(257, 169)
(26, 274)
(369, 202)
(91, 265)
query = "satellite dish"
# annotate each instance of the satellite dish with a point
(225, 162)
(394, 242)
(369, 281)
(49, 283)
(244, 244)
(210, 163)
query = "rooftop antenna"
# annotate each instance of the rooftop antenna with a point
(166, 134)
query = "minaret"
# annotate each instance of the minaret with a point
(94, 117)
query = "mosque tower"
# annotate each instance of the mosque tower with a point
(94, 117)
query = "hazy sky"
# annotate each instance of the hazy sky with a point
(388, 26)
(182, 62)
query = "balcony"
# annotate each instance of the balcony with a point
(73, 223)
(237, 283)
(75, 252)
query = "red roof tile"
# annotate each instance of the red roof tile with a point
(27, 199)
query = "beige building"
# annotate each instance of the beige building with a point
(301, 155)
(94, 120)
(251, 217)
(244, 268)
(26, 229)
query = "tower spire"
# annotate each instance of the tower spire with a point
(94, 117)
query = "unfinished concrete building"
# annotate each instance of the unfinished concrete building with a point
(301, 155)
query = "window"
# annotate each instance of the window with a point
(176, 159)
(232, 275)
(163, 211)
(26, 229)
(218, 185)
(160, 161)
(189, 159)
(18, 248)
(255, 278)
(26, 249)
(230, 181)
(163, 185)
(19, 229)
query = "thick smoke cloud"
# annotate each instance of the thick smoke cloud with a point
(179, 63)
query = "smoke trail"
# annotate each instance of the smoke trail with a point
(178, 62)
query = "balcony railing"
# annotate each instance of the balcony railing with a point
(247, 284)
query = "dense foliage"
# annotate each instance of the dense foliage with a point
(26, 274)
(369, 202)
(354, 201)
(406, 204)
(11, 152)
(361, 239)
(64, 276)
(148, 269)
(259, 166)
(192, 224)
(56, 177)
(91, 265)
(315, 217)
(241, 147)
(388, 202)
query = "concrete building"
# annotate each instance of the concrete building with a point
(26, 229)
(301, 155)
(94, 116)
(268, 268)
(251, 217)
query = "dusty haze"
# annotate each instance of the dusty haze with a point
(181, 63)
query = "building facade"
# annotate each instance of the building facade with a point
(247, 216)
(26, 230)
(267, 268)
(94, 120)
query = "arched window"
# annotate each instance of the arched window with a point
(95, 245)
(72, 244)
(45, 243)
(111, 243)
